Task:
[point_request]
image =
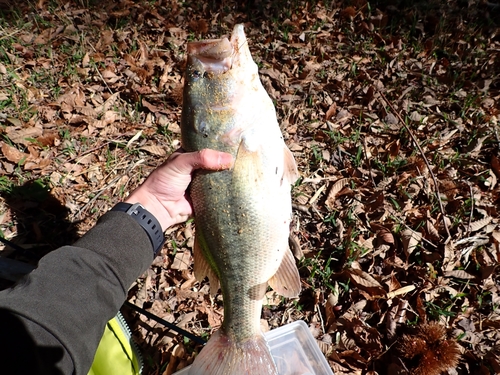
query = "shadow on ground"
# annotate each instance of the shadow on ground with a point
(41, 221)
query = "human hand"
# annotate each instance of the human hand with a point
(164, 192)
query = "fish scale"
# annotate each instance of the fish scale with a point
(242, 215)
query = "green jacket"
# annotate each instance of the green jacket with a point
(52, 321)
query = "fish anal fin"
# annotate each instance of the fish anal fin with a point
(202, 268)
(224, 356)
(286, 281)
(290, 171)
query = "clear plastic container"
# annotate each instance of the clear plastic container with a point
(294, 350)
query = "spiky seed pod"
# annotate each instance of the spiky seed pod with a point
(428, 350)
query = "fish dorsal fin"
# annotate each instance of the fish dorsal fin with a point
(290, 171)
(286, 281)
(202, 268)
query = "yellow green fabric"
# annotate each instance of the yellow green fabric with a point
(115, 355)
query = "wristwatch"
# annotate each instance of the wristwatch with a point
(146, 220)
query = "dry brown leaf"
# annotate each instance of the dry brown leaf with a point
(496, 235)
(476, 225)
(110, 102)
(109, 76)
(459, 274)
(491, 181)
(325, 348)
(495, 165)
(431, 229)
(331, 111)
(390, 321)
(334, 190)
(383, 233)
(214, 318)
(13, 155)
(37, 164)
(45, 36)
(182, 260)
(108, 118)
(450, 256)
(22, 135)
(362, 279)
(349, 12)
(411, 240)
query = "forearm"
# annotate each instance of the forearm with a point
(76, 289)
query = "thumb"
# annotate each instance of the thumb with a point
(185, 163)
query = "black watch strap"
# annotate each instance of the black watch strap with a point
(146, 220)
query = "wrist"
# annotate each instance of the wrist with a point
(151, 203)
(146, 220)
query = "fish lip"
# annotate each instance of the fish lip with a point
(215, 55)
(218, 56)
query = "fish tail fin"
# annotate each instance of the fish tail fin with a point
(223, 356)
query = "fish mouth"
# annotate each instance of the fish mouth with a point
(217, 56)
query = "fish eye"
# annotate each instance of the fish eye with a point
(196, 74)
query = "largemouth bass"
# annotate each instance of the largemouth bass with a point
(242, 215)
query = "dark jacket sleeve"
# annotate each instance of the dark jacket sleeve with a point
(54, 317)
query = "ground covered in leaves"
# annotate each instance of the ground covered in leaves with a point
(391, 109)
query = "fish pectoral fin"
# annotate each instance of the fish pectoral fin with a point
(248, 164)
(286, 281)
(290, 171)
(202, 268)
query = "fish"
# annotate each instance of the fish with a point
(242, 215)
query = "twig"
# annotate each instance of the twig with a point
(320, 319)
(497, 137)
(368, 162)
(8, 35)
(401, 222)
(471, 208)
(88, 151)
(94, 198)
(103, 80)
(438, 194)
(100, 75)
(167, 324)
(103, 189)
(315, 210)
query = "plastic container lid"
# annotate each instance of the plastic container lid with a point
(294, 350)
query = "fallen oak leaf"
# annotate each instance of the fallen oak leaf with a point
(332, 110)
(13, 155)
(364, 281)
(154, 149)
(411, 240)
(21, 135)
(182, 261)
(495, 165)
(450, 256)
(459, 274)
(334, 190)
(476, 225)
(383, 233)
